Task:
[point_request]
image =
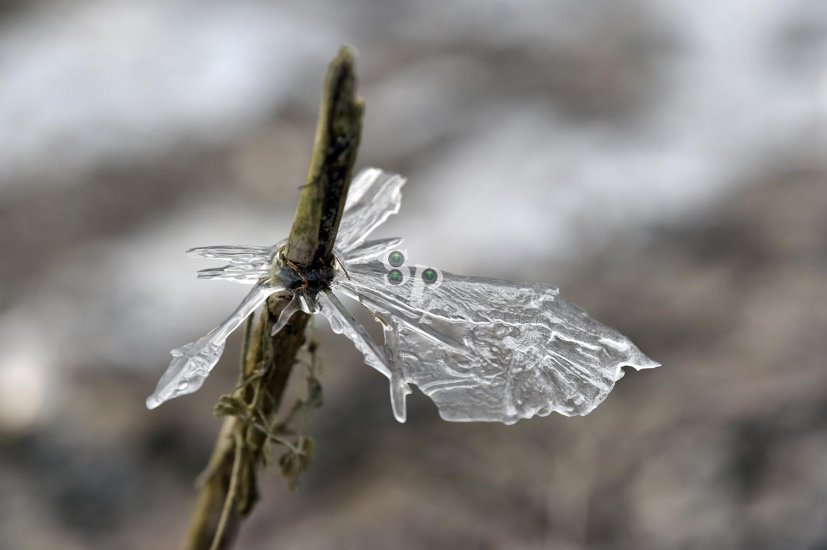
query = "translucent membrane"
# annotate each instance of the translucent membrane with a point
(192, 363)
(343, 322)
(481, 349)
(374, 196)
(247, 264)
(490, 350)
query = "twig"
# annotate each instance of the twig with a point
(268, 361)
(231, 493)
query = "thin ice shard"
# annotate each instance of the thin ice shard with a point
(231, 253)
(370, 250)
(343, 322)
(373, 197)
(192, 363)
(292, 307)
(247, 264)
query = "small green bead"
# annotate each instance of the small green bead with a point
(396, 258)
(394, 276)
(429, 275)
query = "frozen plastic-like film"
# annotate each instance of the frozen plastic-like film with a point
(481, 349)
(374, 196)
(490, 350)
(192, 363)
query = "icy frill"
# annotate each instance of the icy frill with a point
(481, 349)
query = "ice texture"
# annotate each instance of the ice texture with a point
(247, 264)
(374, 196)
(491, 350)
(292, 307)
(481, 349)
(192, 363)
(343, 322)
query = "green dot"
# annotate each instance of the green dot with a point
(429, 276)
(396, 258)
(394, 276)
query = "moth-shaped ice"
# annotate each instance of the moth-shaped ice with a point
(481, 349)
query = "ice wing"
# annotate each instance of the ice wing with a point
(491, 350)
(247, 264)
(373, 197)
(192, 363)
(343, 322)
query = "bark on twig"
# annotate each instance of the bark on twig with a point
(268, 361)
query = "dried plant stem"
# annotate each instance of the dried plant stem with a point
(227, 489)
(231, 494)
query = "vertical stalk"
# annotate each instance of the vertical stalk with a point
(269, 360)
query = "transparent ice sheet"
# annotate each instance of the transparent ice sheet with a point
(481, 349)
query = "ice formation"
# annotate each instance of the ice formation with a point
(481, 349)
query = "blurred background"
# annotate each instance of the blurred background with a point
(662, 162)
